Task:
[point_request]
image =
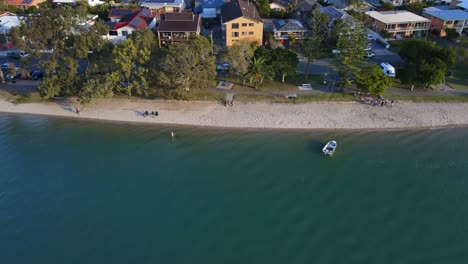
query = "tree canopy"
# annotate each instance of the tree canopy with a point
(371, 79)
(426, 63)
(188, 65)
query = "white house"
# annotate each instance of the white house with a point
(278, 6)
(7, 21)
(164, 5)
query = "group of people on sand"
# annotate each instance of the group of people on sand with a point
(378, 101)
(153, 113)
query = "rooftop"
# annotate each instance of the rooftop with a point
(391, 17)
(179, 22)
(448, 14)
(132, 17)
(239, 8)
(287, 25)
(20, 2)
(161, 3)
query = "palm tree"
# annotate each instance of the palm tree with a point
(258, 71)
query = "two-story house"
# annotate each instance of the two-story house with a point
(162, 6)
(285, 29)
(443, 19)
(399, 24)
(241, 22)
(124, 21)
(175, 27)
(208, 8)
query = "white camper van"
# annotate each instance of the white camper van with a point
(388, 69)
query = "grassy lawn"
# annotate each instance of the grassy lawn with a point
(290, 83)
(459, 78)
(302, 98)
(435, 99)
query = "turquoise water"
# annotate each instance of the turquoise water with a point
(88, 192)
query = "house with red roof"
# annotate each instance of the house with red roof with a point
(23, 3)
(123, 21)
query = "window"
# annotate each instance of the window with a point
(235, 34)
(251, 24)
(113, 33)
(244, 24)
(244, 33)
(124, 33)
(251, 33)
(235, 25)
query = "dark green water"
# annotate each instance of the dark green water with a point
(86, 192)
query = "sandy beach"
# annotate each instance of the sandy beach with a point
(326, 115)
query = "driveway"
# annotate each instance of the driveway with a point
(385, 55)
(316, 67)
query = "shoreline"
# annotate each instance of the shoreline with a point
(255, 116)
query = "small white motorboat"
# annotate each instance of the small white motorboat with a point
(329, 148)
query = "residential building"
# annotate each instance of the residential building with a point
(208, 8)
(284, 29)
(73, 2)
(399, 24)
(401, 2)
(334, 14)
(175, 27)
(443, 19)
(463, 4)
(124, 21)
(7, 21)
(23, 3)
(164, 5)
(241, 22)
(278, 6)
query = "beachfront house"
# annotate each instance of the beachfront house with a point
(399, 24)
(208, 8)
(123, 21)
(285, 30)
(278, 6)
(241, 21)
(443, 19)
(176, 27)
(162, 6)
(334, 14)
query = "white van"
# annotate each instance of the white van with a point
(388, 69)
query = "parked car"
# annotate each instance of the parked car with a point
(388, 69)
(369, 55)
(17, 54)
(370, 37)
(5, 66)
(36, 75)
(223, 67)
(15, 76)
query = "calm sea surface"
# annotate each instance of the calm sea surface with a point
(88, 192)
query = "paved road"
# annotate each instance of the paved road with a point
(324, 65)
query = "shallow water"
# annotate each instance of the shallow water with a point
(87, 192)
